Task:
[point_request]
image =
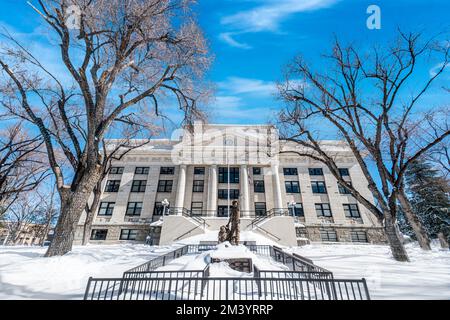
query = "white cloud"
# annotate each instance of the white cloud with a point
(227, 37)
(237, 85)
(269, 15)
(228, 102)
(434, 70)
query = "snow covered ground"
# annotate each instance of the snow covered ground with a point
(25, 274)
(426, 276)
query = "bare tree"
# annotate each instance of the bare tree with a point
(22, 164)
(20, 217)
(361, 97)
(47, 213)
(124, 60)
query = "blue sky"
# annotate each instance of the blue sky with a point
(253, 39)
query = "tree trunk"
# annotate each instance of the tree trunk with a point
(443, 240)
(90, 211)
(397, 248)
(73, 204)
(87, 227)
(414, 222)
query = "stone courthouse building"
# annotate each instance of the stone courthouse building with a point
(170, 189)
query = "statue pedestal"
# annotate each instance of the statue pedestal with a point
(238, 264)
(238, 257)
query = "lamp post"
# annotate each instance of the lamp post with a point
(165, 203)
(292, 204)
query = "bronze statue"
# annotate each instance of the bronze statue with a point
(231, 231)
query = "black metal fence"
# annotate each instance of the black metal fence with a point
(226, 289)
(303, 281)
(295, 262)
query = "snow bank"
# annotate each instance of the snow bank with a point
(26, 274)
(426, 276)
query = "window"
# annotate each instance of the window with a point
(256, 171)
(116, 170)
(359, 236)
(290, 171)
(315, 171)
(138, 185)
(128, 234)
(259, 186)
(323, 210)
(223, 194)
(344, 172)
(112, 186)
(351, 211)
(165, 185)
(223, 175)
(222, 211)
(292, 187)
(197, 208)
(106, 209)
(328, 235)
(141, 170)
(134, 209)
(297, 210)
(318, 187)
(159, 209)
(343, 190)
(99, 234)
(301, 232)
(198, 186)
(199, 170)
(167, 170)
(260, 209)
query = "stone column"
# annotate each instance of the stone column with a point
(212, 190)
(278, 199)
(181, 188)
(245, 206)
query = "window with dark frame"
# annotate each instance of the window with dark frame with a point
(318, 187)
(298, 210)
(290, 171)
(259, 186)
(116, 170)
(328, 235)
(106, 208)
(198, 185)
(323, 210)
(342, 189)
(197, 208)
(315, 171)
(167, 170)
(138, 185)
(256, 171)
(112, 186)
(165, 185)
(222, 211)
(344, 172)
(351, 210)
(359, 236)
(292, 186)
(99, 234)
(223, 175)
(199, 170)
(128, 234)
(260, 209)
(141, 170)
(134, 209)
(223, 194)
